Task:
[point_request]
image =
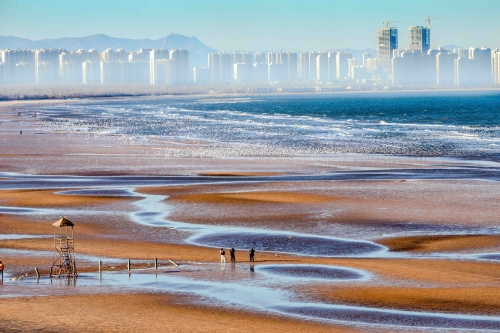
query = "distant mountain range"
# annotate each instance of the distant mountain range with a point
(197, 50)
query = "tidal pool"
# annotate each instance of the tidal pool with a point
(288, 243)
(309, 272)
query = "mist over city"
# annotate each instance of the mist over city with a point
(394, 57)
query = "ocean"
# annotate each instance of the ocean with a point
(455, 124)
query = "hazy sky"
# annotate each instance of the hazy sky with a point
(258, 24)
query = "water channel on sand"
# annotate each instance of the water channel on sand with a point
(266, 292)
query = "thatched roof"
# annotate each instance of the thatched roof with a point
(63, 222)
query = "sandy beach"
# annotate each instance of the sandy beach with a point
(129, 203)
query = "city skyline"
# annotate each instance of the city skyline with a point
(256, 26)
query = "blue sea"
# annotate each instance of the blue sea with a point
(459, 124)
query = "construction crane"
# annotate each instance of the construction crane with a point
(429, 19)
(387, 23)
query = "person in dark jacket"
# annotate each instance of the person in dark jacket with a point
(252, 255)
(233, 258)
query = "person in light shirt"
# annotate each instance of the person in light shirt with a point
(222, 256)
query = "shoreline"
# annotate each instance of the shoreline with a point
(118, 96)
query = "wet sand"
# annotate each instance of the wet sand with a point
(417, 220)
(142, 313)
(469, 300)
(50, 199)
(442, 243)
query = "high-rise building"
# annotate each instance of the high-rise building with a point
(14, 73)
(180, 71)
(154, 57)
(140, 71)
(141, 55)
(419, 39)
(91, 72)
(407, 67)
(351, 63)
(342, 72)
(332, 66)
(226, 67)
(387, 42)
(202, 75)
(109, 71)
(260, 72)
(366, 56)
(495, 56)
(445, 75)
(461, 52)
(482, 64)
(47, 65)
(25, 72)
(247, 58)
(358, 73)
(112, 55)
(237, 59)
(473, 68)
(312, 65)
(277, 72)
(429, 67)
(260, 58)
(322, 67)
(303, 66)
(2, 75)
(70, 65)
(289, 59)
(369, 63)
(271, 58)
(126, 71)
(214, 66)
(242, 72)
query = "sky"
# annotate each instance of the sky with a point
(257, 25)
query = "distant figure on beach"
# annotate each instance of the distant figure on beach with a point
(222, 256)
(21, 132)
(252, 255)
(1, 269)
(233, 258)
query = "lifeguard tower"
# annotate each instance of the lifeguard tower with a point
(64, 257)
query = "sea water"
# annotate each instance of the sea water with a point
(457, 124)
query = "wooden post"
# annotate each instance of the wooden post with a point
(50, 274)
(37, 272)
(128, 264)
(173, 263)
(100, 266)
(156, 263)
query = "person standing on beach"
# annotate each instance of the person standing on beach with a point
(252, 255)
(1, 270)
(222, 256)
(233, 258)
